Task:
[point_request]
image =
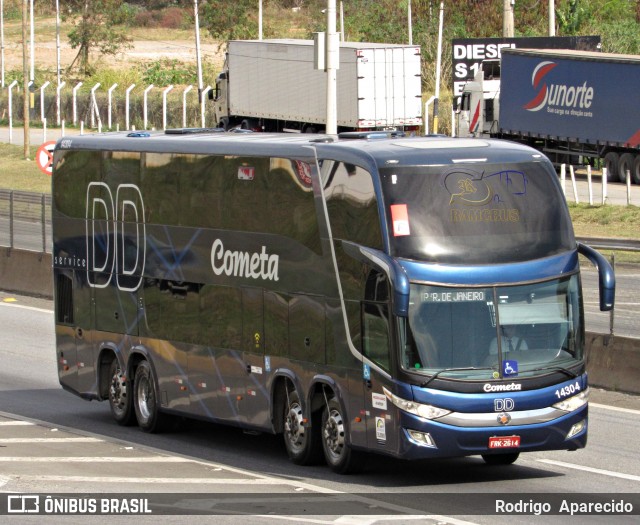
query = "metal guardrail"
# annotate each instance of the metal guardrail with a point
(25, 220)
(25, 223)
(622, 245)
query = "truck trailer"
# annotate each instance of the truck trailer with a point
(272, 85)
(574, 106)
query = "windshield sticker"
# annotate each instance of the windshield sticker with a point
(478, 197)
(509, 368)
(400, 218)
(246, 173)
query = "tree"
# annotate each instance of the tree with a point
(230, 20)
(95, 26)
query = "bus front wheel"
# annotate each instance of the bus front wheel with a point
(339, 455)
(145, 400)
(120, 395)
(300, 439)
(500, 459)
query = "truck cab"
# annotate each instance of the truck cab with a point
(478, 109)
(220, 98)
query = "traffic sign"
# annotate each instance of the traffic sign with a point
(44, 157)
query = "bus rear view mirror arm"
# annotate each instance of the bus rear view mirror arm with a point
(390, 267)
(606, 277)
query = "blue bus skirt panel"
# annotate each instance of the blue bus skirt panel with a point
(456, 441)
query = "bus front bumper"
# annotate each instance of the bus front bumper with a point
(421, 438)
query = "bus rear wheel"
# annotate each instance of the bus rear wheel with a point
(500, 459)
(300, 439)
(146, 401)
(339, 455)
(120, 398)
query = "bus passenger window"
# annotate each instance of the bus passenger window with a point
(352, 204)
(375, 336)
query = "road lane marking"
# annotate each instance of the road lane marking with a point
(51, 440)
(90, 459)
(24, 307)
(615, 409)
(603, 472)
(15, 423)
(146, 480)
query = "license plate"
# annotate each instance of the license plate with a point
(504, 442)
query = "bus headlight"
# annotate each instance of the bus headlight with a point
(417, 409)
(573, 403)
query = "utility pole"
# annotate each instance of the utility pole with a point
(25, 77)
(332, 61)
(438, 69)
(410, 23)
(2, 40)
(507, 18)
(198, 57)
(552, 18)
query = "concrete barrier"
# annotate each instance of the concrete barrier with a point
(26, 272)
(613, 362)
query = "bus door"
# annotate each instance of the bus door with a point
(254, 396)
(377, 348)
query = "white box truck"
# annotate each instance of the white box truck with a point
(272, 85)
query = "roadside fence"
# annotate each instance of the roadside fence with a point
(25, 220)
(109, 108)
(591, 195)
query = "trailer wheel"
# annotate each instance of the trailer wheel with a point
(340, 457)
(611, 161)
(500, 459)
(146, 401)
(301, 440)
(635, 172)
(120, 395)
(625, 164)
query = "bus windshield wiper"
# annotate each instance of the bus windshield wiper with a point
(571, 374)
(469, 368)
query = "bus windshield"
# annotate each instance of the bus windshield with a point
(475, 213)
(494, 332)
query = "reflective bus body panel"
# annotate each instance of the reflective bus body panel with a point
(234, 263)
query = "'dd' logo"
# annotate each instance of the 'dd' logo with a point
(541, 70)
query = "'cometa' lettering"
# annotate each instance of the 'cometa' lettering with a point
(244, 264)
(488, 387)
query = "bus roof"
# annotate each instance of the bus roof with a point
(381, 148)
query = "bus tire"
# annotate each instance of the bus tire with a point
(611, 161)
(500, 459)
(146, 401)
(301, 440)
(625, 164)
(339, 455)
(120, 395)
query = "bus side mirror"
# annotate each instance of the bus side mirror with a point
(606, 276)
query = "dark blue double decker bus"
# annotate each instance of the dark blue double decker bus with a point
(415, 297)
